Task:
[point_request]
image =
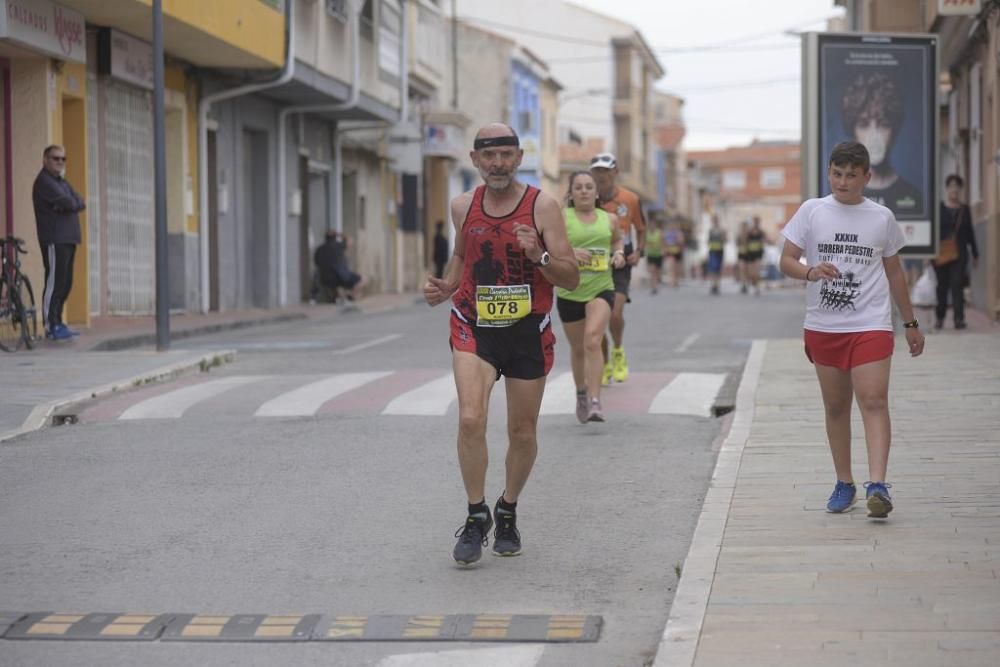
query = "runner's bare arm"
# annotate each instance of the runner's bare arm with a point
(438, 290)
(617, 242)
(640, 236)
(563, 271)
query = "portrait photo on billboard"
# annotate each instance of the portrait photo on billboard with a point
(880, 90)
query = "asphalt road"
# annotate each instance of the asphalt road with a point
(351, 509)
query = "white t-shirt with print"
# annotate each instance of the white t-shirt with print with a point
(854, 238)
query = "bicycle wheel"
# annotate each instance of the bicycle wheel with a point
(11, 336)
(27, 297)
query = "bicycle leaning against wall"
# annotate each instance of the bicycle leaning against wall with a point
(18, 315)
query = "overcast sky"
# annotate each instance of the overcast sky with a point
(747, 89)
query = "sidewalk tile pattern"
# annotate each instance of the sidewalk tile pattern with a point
(795, 585)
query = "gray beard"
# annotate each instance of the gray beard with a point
(500, 188)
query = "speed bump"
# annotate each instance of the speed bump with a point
(98, 626)
(241, 627)
(301, 627)
(460, 628)
(387, 627)
(9, 618)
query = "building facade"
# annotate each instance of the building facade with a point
(91, 91)
(671, 161)
(522, 93)
(740, 183)
(284, 119)
(606, 96)
(44, 91)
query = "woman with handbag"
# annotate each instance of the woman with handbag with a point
(951, 263)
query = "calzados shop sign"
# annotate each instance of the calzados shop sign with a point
(42, 25)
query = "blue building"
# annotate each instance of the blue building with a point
(526, 118)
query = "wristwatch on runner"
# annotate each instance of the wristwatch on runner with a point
(544, 259)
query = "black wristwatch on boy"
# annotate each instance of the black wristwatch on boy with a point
(913, 324)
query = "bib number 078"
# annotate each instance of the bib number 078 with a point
(502, 308)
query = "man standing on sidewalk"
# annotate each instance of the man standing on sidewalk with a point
(57, 216)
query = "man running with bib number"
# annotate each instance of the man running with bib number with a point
(510, 249)
(626, 205)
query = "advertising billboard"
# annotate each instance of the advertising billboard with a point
(880, 90)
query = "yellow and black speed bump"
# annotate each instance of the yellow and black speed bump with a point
(387, 627)
(241, 627)
(460, 628)
(110, 626)
(9, 618)
(301, 627)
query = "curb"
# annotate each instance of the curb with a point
(679, 644)
(42, 414)
(140, 340)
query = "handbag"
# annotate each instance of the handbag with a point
(948, 248)
(947, 251)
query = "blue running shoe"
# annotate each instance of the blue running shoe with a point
(842, 498)
(61, 332)
(879, 500)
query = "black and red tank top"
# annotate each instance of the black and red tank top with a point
(493, 259)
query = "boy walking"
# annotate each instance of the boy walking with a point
(851, 245)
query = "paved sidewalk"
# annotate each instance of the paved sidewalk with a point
(117, 353)
(772, 579)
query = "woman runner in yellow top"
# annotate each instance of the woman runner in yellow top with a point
(586, 310)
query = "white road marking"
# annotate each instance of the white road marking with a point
(306, 400)
(688, 394)
(526, 655)
(560, 396)
(278, 346)
(431, 398)
(175, 403)
(688, 342)
(366, 345)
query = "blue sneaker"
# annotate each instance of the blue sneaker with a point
(842, 498)
(879, 500)
(61, 332)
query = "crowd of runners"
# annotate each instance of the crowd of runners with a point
(519, 251)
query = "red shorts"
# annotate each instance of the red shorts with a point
(847, 350)
(524, 351)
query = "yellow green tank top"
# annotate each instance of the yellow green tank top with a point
(654, 242)
(595, 237)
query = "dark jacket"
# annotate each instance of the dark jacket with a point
(440, 249)
(331, 261)
(57, 209)
(965, 236)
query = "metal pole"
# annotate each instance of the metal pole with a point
(454, 54)
(160, 185)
